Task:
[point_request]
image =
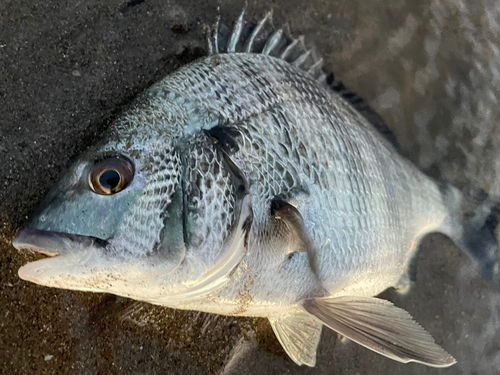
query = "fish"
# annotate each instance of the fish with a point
(251, 182)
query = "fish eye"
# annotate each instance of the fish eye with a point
(111, 175)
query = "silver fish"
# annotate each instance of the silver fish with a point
(251, 183)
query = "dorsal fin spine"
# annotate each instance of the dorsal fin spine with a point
(268, 18)
(272, 42)
(302, 59)
(288, 49)
(315, 69)
(279, 43)
(235, 36)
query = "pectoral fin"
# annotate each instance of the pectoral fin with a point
(299, 335)
(290, 224)
(380, 326)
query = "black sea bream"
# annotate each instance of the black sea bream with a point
(251, 183)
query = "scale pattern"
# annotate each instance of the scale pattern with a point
(211, 198)
(141, 229)
(366, 203)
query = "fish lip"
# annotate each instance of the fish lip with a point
(54, 243)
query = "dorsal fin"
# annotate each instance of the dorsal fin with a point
(263, 38)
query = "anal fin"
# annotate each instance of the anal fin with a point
(379, 326)
(299, 334)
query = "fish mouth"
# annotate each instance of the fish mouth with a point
(54, 243)
(63, 249)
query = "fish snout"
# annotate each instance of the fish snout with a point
(54, 243)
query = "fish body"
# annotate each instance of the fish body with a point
(242, 184)
(363, 205)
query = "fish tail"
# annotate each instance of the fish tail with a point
(474, 227)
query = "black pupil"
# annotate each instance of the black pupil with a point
(109, 179)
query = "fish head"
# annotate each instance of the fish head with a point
(133, 216)
(104, 224)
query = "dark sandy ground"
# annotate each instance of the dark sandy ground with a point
(67, 68)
